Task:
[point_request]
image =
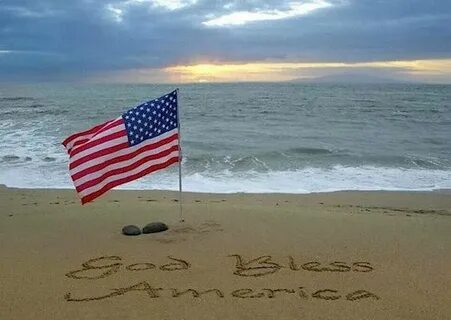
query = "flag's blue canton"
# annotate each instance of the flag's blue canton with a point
(151, 119)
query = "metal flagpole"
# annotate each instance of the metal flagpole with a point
(180, 157)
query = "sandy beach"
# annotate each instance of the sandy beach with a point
(343, 255)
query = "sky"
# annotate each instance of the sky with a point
(157, 41)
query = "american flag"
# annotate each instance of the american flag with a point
(143, 140)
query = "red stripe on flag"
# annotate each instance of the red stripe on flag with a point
(78, 142)
(109, 126)
(97, 142)
(83, 133)
(124, 157)
(115, 183)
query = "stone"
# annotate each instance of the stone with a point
(155, 227)
(131, 230)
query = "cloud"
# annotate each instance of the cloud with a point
(68, 39)
(173, 4)
(118, 9)
(115, 12)
(22, 11)
(294, 9)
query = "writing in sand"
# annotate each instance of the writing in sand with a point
(262, 266)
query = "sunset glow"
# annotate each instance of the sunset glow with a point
(289, 71)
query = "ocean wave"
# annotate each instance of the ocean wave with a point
(305, 150)
(363, 100)
(307, 180)
(15, 98)
(292, 159)
(17, 112)
(26, 106)
(10, 158)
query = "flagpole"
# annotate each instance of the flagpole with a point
(180, 158)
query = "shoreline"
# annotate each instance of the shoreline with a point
(342, 255)
(119, 189)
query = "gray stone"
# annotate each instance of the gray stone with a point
(131, 230)
(155, 227)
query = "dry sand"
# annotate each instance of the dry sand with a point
(346, 255)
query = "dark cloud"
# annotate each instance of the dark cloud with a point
(67, 38)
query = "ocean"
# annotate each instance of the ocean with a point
(247, 137)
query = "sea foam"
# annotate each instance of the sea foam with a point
(299, 181)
